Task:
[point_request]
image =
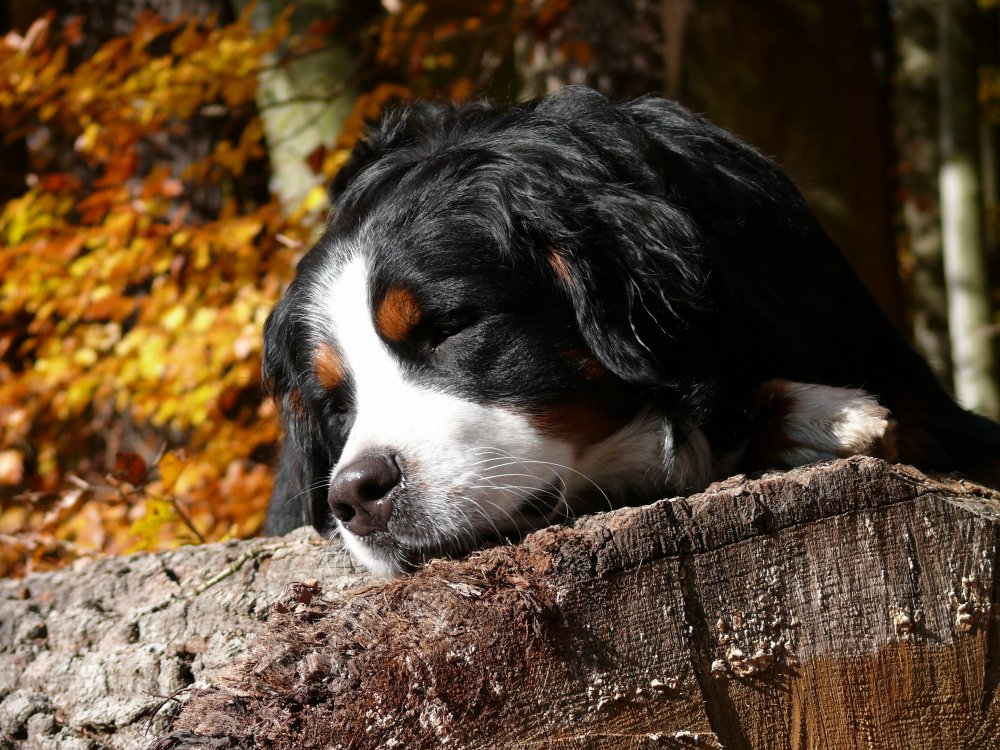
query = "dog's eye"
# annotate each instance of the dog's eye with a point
(439, 335)
(448, 326)
(338, 407)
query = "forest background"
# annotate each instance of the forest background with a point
(163, 168)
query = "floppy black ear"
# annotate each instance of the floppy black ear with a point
(278, 364)
(635, 280)
(299, 494)
(683, 206)
(631, 258)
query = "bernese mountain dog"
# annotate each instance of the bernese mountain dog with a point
(522, 313)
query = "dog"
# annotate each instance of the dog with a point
(522, 313)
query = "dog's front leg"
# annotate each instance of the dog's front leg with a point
(799, 423)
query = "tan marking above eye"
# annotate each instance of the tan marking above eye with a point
(398, 313)
(327, 365)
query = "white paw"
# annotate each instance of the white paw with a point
(821, 422)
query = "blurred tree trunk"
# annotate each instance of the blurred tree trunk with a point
(303, 102)
(617, 48)
(796, 78)
(969, 306)
(917, 142)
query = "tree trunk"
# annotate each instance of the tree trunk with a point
(849, 605)
(844, 605)
(969, 307)
(303, 102)
(915, 99)
(617, 48)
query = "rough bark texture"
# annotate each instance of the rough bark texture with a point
(843, 606)
(88, 654)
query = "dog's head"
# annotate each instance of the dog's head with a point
(505, 323)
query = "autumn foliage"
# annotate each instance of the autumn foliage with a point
(131, 306)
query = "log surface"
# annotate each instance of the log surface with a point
(89, 654)
(845, 605)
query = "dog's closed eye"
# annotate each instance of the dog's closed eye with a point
(443, 327)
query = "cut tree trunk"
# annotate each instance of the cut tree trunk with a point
(843, 605)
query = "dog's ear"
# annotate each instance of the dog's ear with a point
(630, 255)
(633, 272)
(278, 364)
(299, 495)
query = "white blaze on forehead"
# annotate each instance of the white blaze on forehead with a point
(441, 439)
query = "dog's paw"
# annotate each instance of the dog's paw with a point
(798, 423)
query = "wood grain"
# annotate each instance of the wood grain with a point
(844, 605)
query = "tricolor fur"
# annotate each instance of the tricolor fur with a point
(522, 313)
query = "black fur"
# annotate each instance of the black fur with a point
(696, 273)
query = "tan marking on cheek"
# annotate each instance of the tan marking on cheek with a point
(296, 405)
(602, 406)
(580, 421)
(290, 404)
(589, 366)
(327, 365)
(398, 313)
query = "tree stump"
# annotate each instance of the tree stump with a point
(843, 605)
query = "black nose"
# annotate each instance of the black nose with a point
(359, 494)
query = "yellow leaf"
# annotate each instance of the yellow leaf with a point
(315, 199)
(159, 513)
(171, 466)
(174, 318)
(11, 467)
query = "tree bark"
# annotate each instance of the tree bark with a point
(89, 654)
(969, 307)
(846, 605)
